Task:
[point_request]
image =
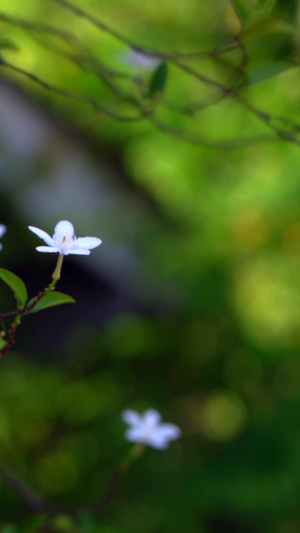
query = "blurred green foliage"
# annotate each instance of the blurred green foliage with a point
(222, 359)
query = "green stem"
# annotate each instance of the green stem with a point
(116, 477)
(56, 273)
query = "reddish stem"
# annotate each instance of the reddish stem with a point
(20, 313)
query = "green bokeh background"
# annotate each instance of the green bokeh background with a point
(207, 329)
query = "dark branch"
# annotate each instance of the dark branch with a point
(67, 94)
(39, 504)
(144, 109)
(33, 500)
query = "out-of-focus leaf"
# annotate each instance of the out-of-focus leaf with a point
(243, 9)
(262, 24)
(9, 528)
(16, 285)
(159, 79)
(50, 300)
(2, 343)
(8, 44)
(87, 522)
(33, 524)
(265, 6)
(287, 9)
(63, 522)
(269, 56)
(267, 70)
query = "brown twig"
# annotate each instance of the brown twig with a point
(25, 309)
(282, 127)
(33, 500)
(67, 94)
(39, 504)
(95, 21)
(106, 498)
(16, 323)
(175, 58)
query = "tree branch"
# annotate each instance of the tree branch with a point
(33, 500)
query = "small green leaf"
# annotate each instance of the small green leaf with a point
(159, 79)
(2, 343)
(16, 285)
(50, 300)
(265, 71)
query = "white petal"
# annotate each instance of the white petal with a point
(157, 441)
(2, 229)
(152, 417)
(73, 251)
(131, 417)
(169, 431)
(65, 228)
(48, 249)
(42, 234)
(87, 242)
(135, 434)
(163, 434)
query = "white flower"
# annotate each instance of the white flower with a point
(2, 231)
(148, 429)
(64, 240)
(135, 57)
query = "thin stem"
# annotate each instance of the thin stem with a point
(17, 321)
(67, 94)
(215, 52)
(27, 308)
(96, 22)
(284, 128)
(57, 272)
(33, 500)
(40, 504)
(11, 313)
(20, 313)
(116, 477)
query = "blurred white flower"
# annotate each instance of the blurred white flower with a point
(138, 59)
(2, 231)
(148, 429)
(64, 240)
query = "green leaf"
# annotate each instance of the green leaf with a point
(265, 6)
(265, 71)
(287, 9)
(9, 528)
(2, 343)
(63, 522)
(50, 300)
(243, 9)
(33, 524)
(8, 44)
(159, 79)
(16, 285)
(86, 522)
(265, 24)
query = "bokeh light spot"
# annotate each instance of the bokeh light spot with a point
(223, 416)
(57, 473)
